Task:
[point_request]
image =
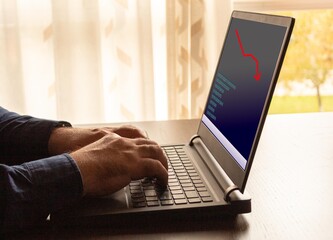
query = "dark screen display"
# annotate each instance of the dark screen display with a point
(242, 80)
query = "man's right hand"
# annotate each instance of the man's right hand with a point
(112, 162)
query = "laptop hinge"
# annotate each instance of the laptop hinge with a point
(220, 175)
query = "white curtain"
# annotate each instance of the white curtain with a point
(89, 61)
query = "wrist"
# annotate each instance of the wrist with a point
(66, 140)
(60, 139)
(84, 170)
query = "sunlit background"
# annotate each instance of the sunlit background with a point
(89, 61)
(306, 80)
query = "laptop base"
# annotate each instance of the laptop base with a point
(93, 212)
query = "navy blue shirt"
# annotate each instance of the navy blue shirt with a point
(32, 183)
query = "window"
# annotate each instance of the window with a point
(306, 79)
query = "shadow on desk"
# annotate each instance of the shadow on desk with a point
(217, 227)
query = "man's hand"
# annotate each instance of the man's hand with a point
(64, 139)
(110, 163)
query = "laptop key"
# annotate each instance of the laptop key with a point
(207, 199)
(180, 201)
(189, 189)
(175, 192)
(204, 194)
(165, 196)
(173, 184)
(194, 200)
(135, 191)
(139, 204)
(175, 188)
(137, 195)
(138, 200)
(186, 183)
(201, 189)
(153, 203)
(197, 182)
(135, 183)
(179, 196)
(150, 193)
(199, 185)
(166, 202)
(151, 187)
(151, 198)
(191, 194)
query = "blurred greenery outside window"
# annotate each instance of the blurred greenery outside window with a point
(306, 80)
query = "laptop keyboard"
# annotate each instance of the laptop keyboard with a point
(184, 185)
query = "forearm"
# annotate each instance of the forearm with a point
(29, 192)
(24, 138)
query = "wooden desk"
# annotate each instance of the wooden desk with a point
(291, 185)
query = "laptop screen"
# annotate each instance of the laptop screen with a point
(241, 84)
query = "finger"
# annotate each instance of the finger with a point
(154, 169)
(129, 131)
(144, 141)
(153, 151)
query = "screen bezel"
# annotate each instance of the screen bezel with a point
(226, 161)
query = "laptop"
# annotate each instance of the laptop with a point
(207, 175)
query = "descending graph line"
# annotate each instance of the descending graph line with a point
(258, 74)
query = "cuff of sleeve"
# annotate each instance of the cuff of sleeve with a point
(57, 181)
(35, 189)
(62, 124)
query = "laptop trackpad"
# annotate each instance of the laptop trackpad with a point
(116, 202)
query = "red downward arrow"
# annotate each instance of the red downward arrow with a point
(257, 76)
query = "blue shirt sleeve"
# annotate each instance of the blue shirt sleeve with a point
(31, 191)
(24, 138)
(32, 183)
